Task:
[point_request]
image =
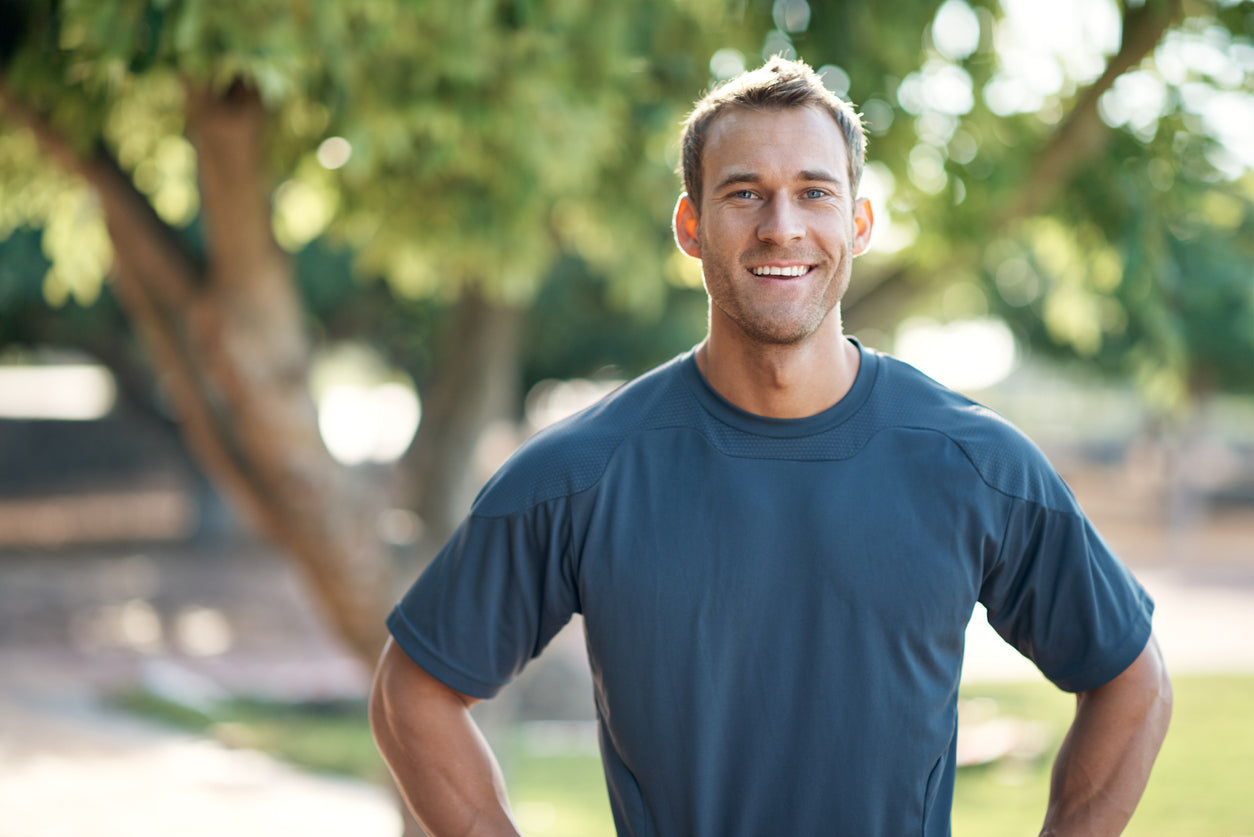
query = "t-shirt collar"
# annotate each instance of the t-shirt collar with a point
(733, 416)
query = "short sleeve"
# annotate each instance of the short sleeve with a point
(492, 599)
(1061, 597)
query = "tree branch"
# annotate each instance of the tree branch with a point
(227, 130)
(1077, 139)
(247, 332)
(1081, 134)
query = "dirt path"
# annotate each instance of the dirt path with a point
(69, 767)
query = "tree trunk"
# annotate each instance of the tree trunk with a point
(228, 343)
(247, 336)
(474, 384)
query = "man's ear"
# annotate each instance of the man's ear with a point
(863, 221)
(685, 226)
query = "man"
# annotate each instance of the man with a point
(776, 541)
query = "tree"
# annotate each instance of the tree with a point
(464, 155)
(1091, 197)
(458, 151)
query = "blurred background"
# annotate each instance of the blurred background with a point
(281, 283)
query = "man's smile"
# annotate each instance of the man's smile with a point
(789, 271)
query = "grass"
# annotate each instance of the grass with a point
(560, 795)
(1201, 785)
(325, 737)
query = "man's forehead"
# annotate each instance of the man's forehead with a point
(803, 142)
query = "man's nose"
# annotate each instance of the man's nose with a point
(781, 222)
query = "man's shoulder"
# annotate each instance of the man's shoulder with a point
(569, 456)
(1005, 458)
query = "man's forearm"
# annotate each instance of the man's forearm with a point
(441, 763)
(1105, 760)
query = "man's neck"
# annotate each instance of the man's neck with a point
(781, 381)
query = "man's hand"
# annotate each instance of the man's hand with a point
(1105, 759)
(441, 762)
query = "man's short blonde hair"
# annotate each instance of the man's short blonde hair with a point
(780, 83)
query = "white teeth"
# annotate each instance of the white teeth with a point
(798, 270)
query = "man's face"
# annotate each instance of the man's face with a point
(778, 225)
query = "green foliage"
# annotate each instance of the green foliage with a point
(20, 260)
(1146, 272)
(28, 320)
(573, 333)
(499, 143)
(485, 136)
(486, 142)
(1140, 264)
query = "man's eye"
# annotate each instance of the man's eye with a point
(815, 194)
(744, 194)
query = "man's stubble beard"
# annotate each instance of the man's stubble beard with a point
(767, 327)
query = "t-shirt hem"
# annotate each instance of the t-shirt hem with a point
(1122, 657)
(416, 649)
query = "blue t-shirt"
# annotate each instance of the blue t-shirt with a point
(775, 608)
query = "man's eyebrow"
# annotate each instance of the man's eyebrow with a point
(819, 174)
(738, 177)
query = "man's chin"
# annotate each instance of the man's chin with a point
(780, 335)
(785, 331)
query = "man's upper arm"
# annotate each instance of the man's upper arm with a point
(1106, 757)
(400, 682)
(1145, 679)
